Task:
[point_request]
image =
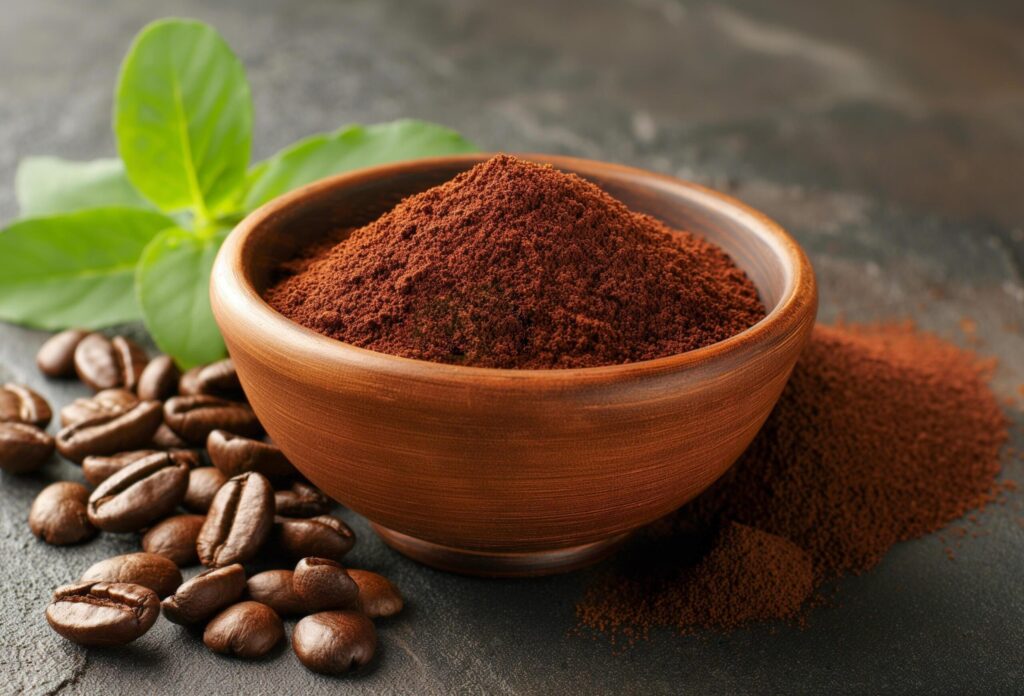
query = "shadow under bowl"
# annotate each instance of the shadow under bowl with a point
(508, 472)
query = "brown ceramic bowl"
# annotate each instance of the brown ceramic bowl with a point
(508, 472)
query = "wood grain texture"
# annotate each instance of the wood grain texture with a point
(521, 464)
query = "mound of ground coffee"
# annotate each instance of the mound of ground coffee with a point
(748, 575)
(518, 265)
(883, 434)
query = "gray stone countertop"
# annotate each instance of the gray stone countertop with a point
(887, 135)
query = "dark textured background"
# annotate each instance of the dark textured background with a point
(887, 135)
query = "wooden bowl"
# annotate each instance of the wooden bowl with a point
(508, 472)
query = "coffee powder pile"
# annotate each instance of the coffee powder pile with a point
(883, 434)
(519, 265)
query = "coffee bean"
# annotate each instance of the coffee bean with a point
(109, 402)
(193, 458)
(274, 588)
(247, 629)
(334, 642)
(56, 357)
(324, 584)
(188, 384)
(150, 570)
(141, 493)
(132, 359)
(215, 379)
(102, 613)
(377, 595)
(301, 500)
(96, 363)
(239, 521)
(159, 379)
(165, 438)
(19, 404)
(175, 538)
(204, 595)
(195, 417)
(23, 447)
(220, 379)
(235, 454)
(107, 363)
(98, 469)
(323, 536)
(106, 435)
(58, 514)
(203, 484)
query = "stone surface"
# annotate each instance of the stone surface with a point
(887, 135)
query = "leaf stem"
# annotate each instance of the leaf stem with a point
(206, 229)
(203, 216)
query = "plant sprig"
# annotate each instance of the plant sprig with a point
(118, 240)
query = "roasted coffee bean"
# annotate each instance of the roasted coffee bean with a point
(195, 417)
(239, 521)
(324, 584)
(247, 629)
(190, 457)
(159, 379)
(58, 514)
(188, 384)
(175, 538)
(132, 359)
(56, 357)
(274, 588)
(377, 595)
(301, 500)
(109, 402)
(96, 363)
(102, 613)
(19, 404)
(203, 484)
(165, 438)
(235, 454)
(220, 379)
(139, 494)
(215, 379)
(335, 642)
(98, 469)
(324, 536)
(106, 435)
(23, 447)
(151, 570)
(204, 595)
(107, 363)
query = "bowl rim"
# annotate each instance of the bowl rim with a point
(230, 285)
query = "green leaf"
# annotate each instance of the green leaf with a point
(351, 147)
(183, 117)
(49, 185)
(172, 282)
(74, 269)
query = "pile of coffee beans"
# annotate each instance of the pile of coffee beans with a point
(181, 460)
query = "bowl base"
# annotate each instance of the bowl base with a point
(498, 564)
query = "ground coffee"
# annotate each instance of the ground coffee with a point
(883, 434)
(518, 265)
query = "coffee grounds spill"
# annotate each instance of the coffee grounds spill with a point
(883, 434)
(518, 265)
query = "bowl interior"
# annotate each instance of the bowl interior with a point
(739, 231)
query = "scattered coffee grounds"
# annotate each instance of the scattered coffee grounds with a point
(883, 434)
(762, 576)
(519, 265)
